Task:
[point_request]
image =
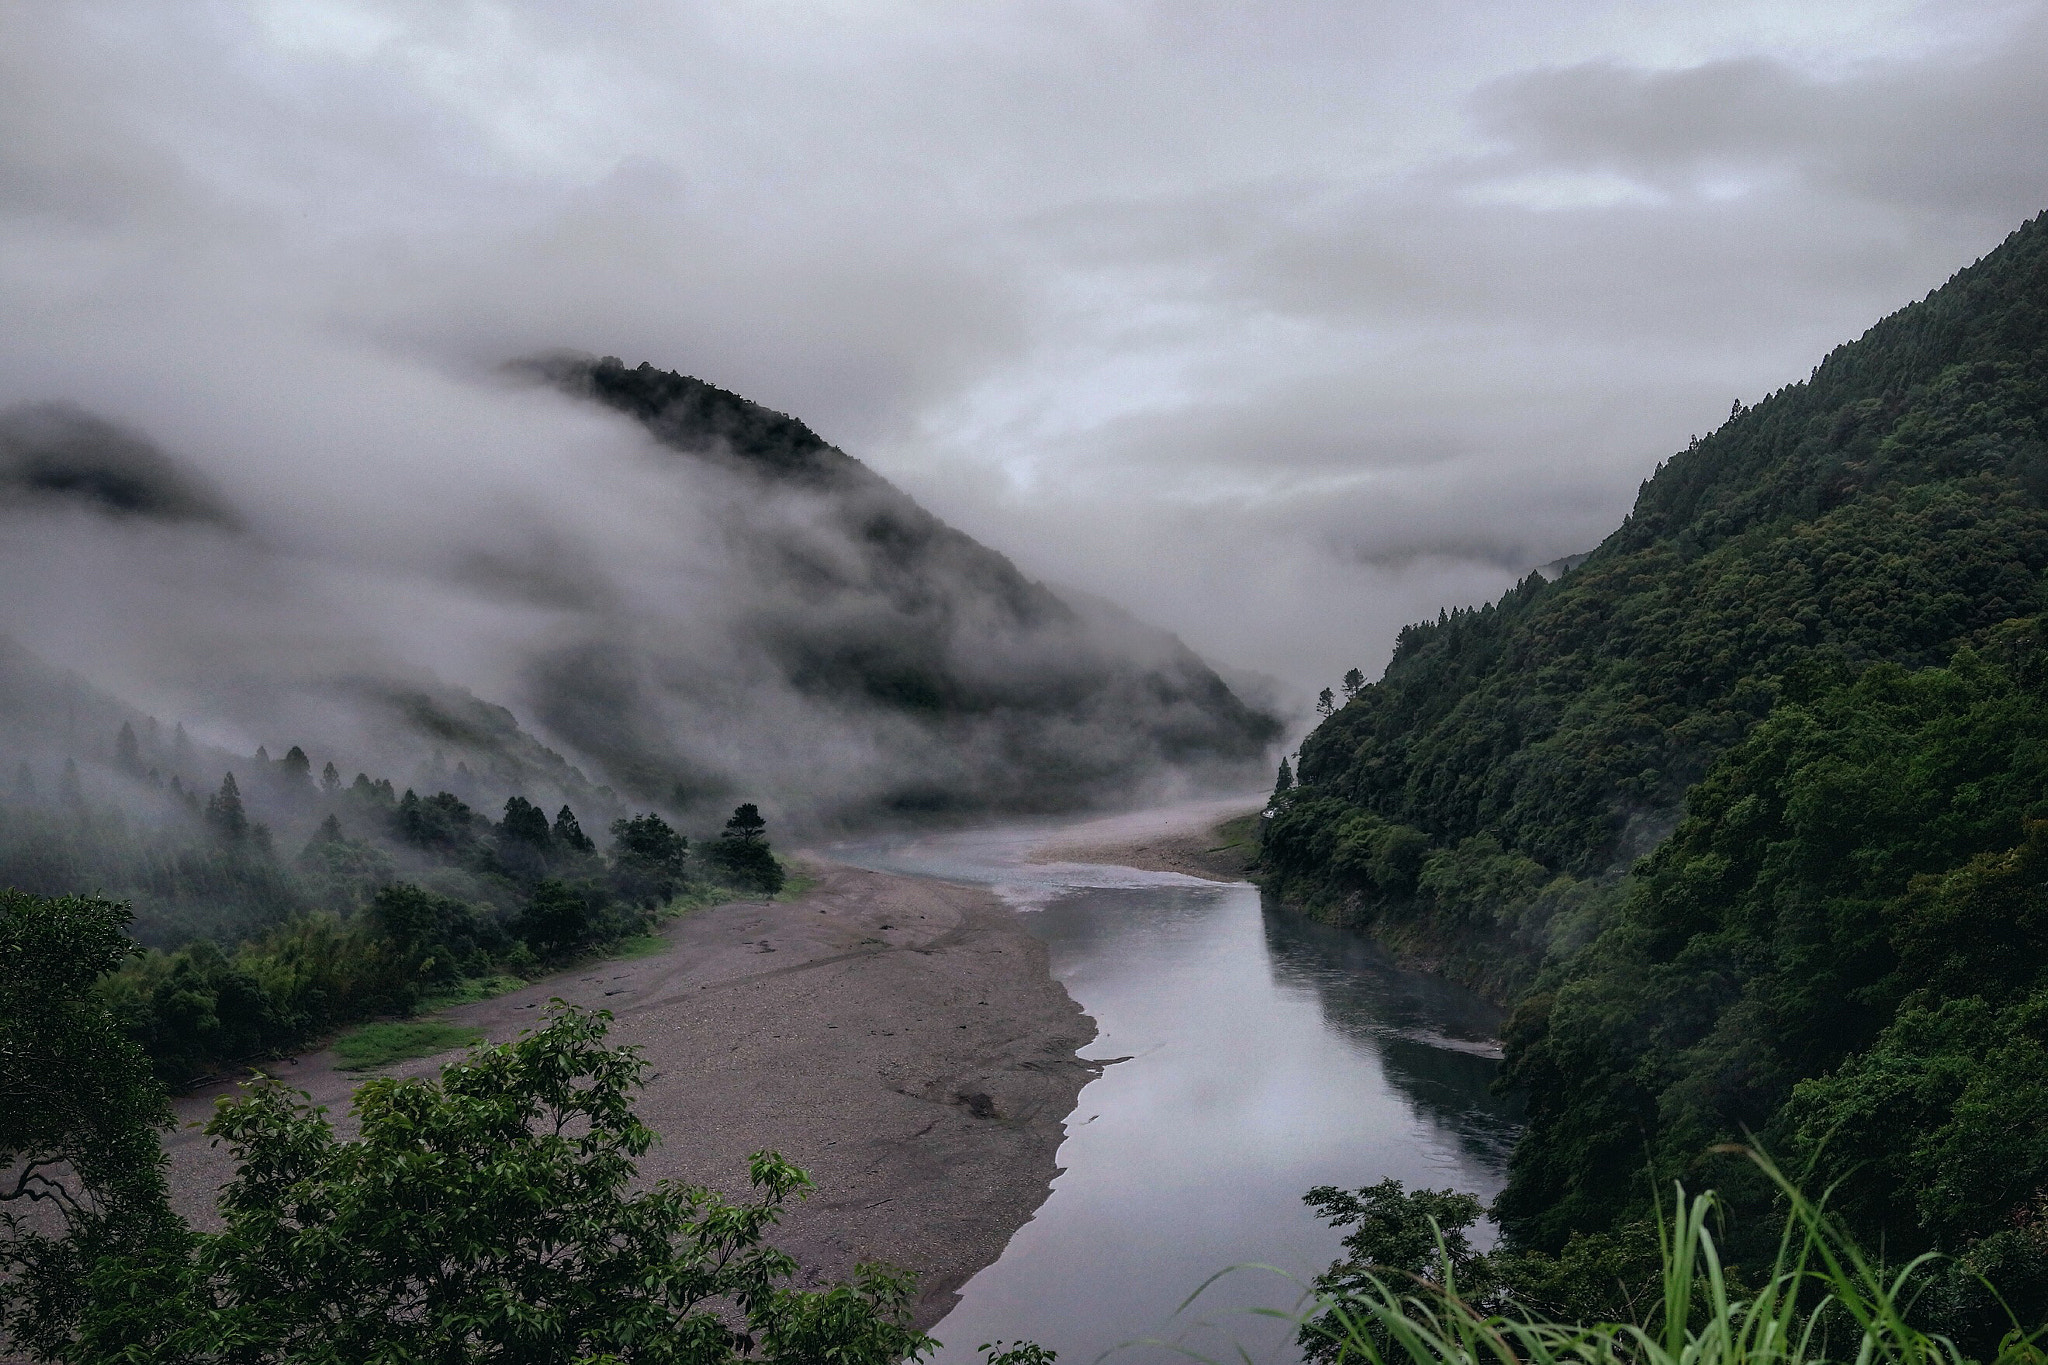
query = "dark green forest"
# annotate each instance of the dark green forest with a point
(1743, 815)
(259, 942)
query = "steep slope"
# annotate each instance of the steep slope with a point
(1890, 508)
(980, 688)
(1813, 657)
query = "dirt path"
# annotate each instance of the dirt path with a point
(900, 1039)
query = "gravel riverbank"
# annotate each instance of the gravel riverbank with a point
(901, 1039)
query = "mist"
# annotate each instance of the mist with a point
(1277, 333)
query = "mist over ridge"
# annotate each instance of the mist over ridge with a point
(664, 596)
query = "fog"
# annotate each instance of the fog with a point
(1278, 327)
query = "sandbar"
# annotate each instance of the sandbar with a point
(901, 1039)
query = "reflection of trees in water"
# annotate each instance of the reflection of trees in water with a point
(1425, 1029)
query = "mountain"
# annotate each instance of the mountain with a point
(973, 687)
(688, 601)
(1804, 677)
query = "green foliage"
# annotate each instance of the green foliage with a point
(650, 861)
(1890, 509)
(1418, 1236)
(1816, 1297)
(491, 1214)
(369, 1046)
(79, 1111)
(1843, 946)
(742, 856)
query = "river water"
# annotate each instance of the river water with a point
(1265, 1054)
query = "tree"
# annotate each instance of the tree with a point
(1354, 683)
(492, 1215)
(556, 920)
(295, 770)
(79, 1110)
(224, 812)
(1285, 781)
(330, 779)
(1326, 705)
(127, 751)
(746, 825)
(649, 859)
(742, 852)
(569, 834)
(1399, 1238)
(524, 823)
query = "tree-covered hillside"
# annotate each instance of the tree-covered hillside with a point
(1748, 816)
(977, 687)
(1891, 508)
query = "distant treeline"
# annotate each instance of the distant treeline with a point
(392, 898)
(1742, 814)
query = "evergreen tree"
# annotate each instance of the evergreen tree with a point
(1354, 683)
(1285, 782)
(524, 823)
(1325, 703)
(742, 851)
(295, 770)
(569, 834)
(649, 859)
(224, 812)
(330, 779)
(183, 759)
(746, 825)
(127, 751)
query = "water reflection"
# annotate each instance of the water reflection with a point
(1267, 1054)
(1438, 1042)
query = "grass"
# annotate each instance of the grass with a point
(373, 1045)
(1240, 831)
(797, 883)
(471, 989)
(639, 945)
(1823, 1301)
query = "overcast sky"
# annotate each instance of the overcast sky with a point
(1279, 323)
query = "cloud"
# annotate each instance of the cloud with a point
(1280, 331)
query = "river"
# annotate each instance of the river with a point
(1263, 1054)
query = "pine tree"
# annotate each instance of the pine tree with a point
(1285, 782)
(1326, 705)
(330, 779)
(569, 834)
(295, 770)
(1354, 683)
(524, 823)
(746, 825)
(127, 751)
(225, 814)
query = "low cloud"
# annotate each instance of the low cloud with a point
(1278, 333)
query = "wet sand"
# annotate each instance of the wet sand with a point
(1184, 838)
(900, 1039)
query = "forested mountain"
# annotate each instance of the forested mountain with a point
(1813, 649)
(704, 603)
(978, 687)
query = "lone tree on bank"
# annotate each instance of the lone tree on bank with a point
(742, 851)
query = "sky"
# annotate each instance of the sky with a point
(1280, 325)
